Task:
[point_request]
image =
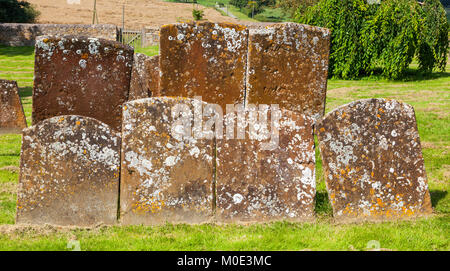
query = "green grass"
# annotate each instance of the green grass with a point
(430, 96)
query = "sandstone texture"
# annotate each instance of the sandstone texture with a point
(69, 173)
(81, 76)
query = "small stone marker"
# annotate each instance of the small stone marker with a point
(69, 173)
(288, 66)
(204, 59)
(144, 77)
(81, 76)
(260, 185)
(372, 160)
(163, 179)
(12, 117)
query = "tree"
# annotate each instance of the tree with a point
(13, 11)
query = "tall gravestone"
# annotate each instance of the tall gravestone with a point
(261, 178)
(12, 117)
(372, 160)
(81, 76)
(204, 59)
(288, 66)
(69, 172)
(144, 77)
(164, 178)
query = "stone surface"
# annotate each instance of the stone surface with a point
(372, 161)
(259, 185)
(163, 178)
(12, 117)
(288, 66)
(69, 173)
(81, 76)
(144, 77)
(204, 59)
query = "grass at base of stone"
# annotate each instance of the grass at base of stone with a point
(430, 96)
(422, 234)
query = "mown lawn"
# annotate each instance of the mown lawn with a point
(430, 96)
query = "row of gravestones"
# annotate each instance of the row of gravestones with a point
(72, 166)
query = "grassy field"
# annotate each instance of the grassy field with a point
(430, 96)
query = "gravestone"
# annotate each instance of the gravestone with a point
(12, 117)
(164, 178)
(69, 172)
(259, 184)
(288, 66)
(144, 77)
(372, 161)
(204, 59)
(81, 76)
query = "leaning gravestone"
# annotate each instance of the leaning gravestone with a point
(144, 77)
(260, 184)
(164, 178)
(204, 59)
(81, 76)
(69, 172)
(12, 117)
(288, 66)
(373, 162)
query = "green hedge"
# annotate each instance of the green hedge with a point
(366, 37)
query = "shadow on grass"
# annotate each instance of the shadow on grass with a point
(436, 196)
(323, 206)
(25, 91)
(16, 51)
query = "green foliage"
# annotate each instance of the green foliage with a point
(197, 14)
(14, 11)
(254, 7)
(388, 35)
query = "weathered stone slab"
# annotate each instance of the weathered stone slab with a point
(288, 66)
(81, 76)
(144, 77)
(12, 117)
(372, 160)
(69, 173)
(256, 184)
(204, 59)
(164, 178)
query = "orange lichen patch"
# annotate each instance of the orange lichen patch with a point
(85, 56)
